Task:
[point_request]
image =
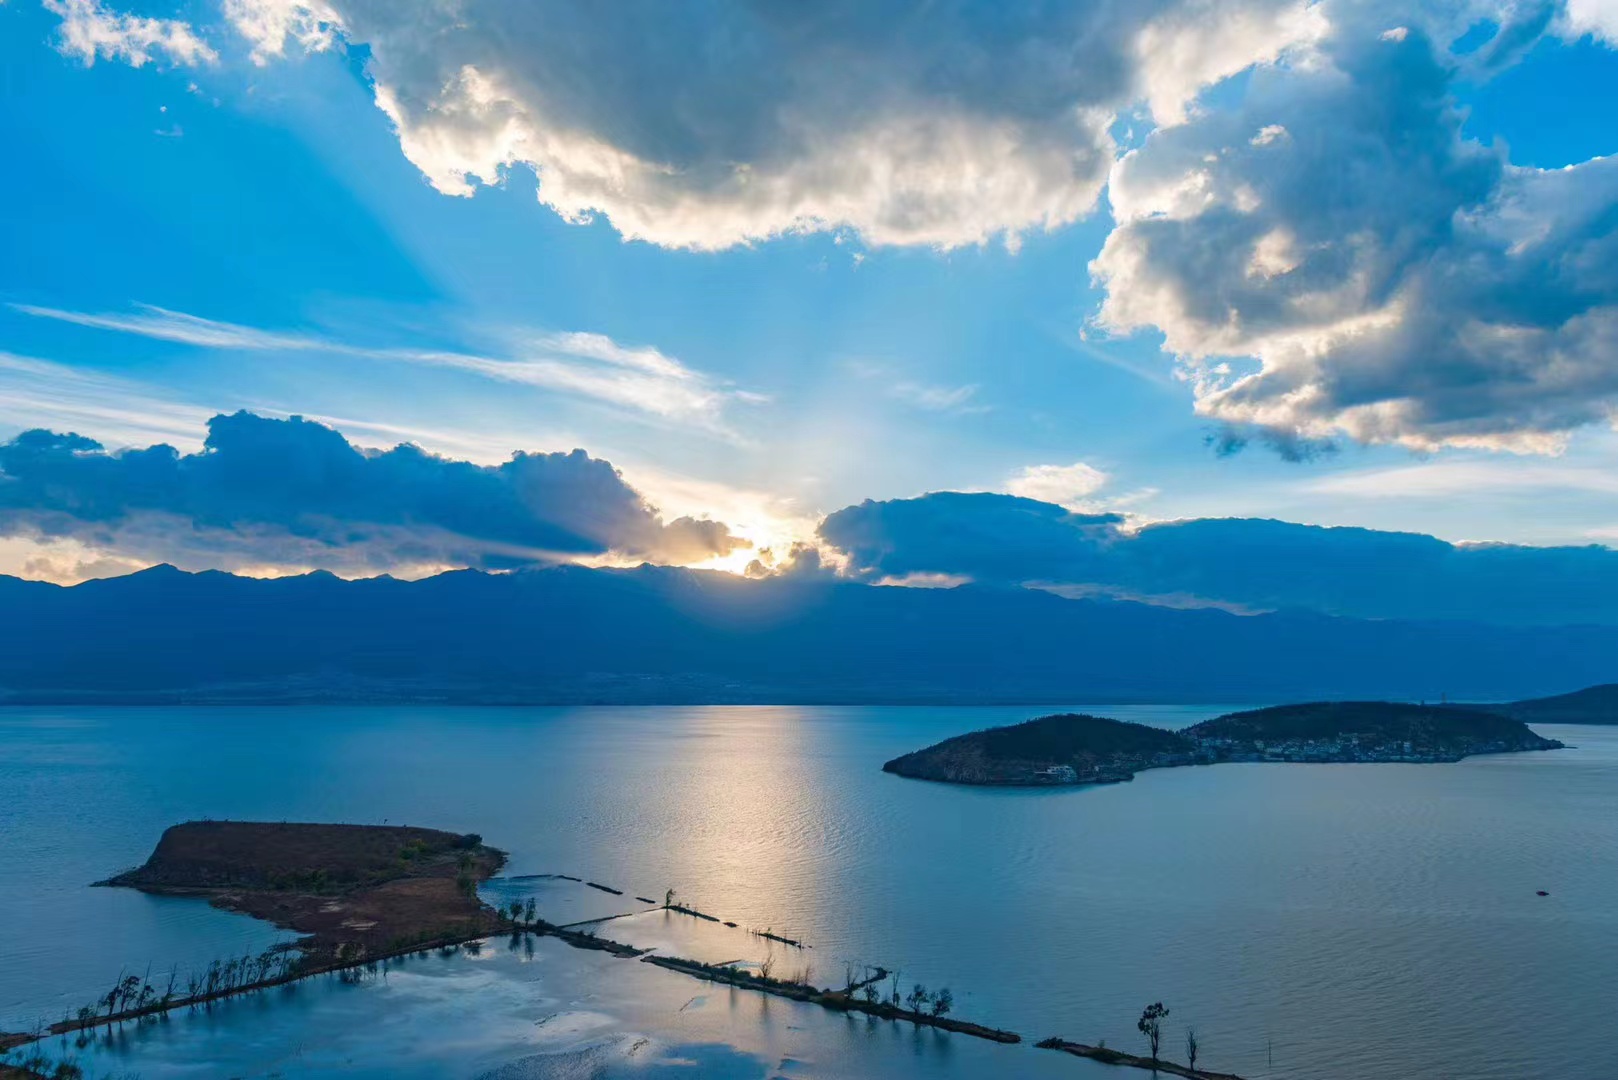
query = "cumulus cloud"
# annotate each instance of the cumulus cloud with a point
(268, 494)
(1239, 564)
(1065, 485)
(91, 30)
(937, 124)
(1597, 18)
(1334, 257)
(982, 536)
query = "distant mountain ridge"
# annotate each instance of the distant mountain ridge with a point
(660, 635)
(1592, 705)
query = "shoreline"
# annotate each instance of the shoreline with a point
(335, 945)
(842, 1001)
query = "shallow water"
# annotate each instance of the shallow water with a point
(1327, 921)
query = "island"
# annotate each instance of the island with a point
(353, 891)
(1068, 748)
(1080, 749)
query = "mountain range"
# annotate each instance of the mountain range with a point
(571, 634)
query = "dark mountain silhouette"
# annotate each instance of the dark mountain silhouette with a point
(1592, 705)
(571, 634)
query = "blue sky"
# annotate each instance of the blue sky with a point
(213, 230)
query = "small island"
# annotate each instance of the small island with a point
(353, 890)
(1078, 749)
(1068, 748)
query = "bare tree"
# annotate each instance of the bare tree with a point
(1191, 1047)
(943, 1001)
(1150, 1024)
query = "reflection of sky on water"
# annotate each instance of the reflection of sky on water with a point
(1382, 917)
(535, 1009)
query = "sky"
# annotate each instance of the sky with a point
(1331, 263)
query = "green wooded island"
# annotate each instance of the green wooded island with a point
(1077, 749)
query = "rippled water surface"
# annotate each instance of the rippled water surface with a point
(1312, 921)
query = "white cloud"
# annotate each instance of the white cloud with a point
(1065, 485)
(269, 24)
(90, 30)
(949, 129)
(1598, 18)
(638, 379)
(1394, 280)
(1195, 45)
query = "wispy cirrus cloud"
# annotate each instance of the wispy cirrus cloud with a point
(119, 410)
(928, 397)
(640, 380)
(945, 399)
(1438, 479)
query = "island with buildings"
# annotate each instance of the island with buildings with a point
(1079, 749)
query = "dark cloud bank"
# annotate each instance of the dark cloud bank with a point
(267, 492)
(284, 492)
(1243, 563)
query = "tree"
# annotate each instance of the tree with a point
(668, 897)
(1150, 1024)
(1191, 1047)
(943, 1001)
(917, 997)
(530, 911)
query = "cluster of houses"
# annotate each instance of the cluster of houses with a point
(1210, 750)
(1347, 747)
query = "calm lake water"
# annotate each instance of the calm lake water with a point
(1312, 921)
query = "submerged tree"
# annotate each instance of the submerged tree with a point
(1150, 1024)
(943, 1001)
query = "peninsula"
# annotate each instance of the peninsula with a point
(1078, 749)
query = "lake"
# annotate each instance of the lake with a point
(1312, 921)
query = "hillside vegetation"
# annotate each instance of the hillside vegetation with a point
(1077, 749)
